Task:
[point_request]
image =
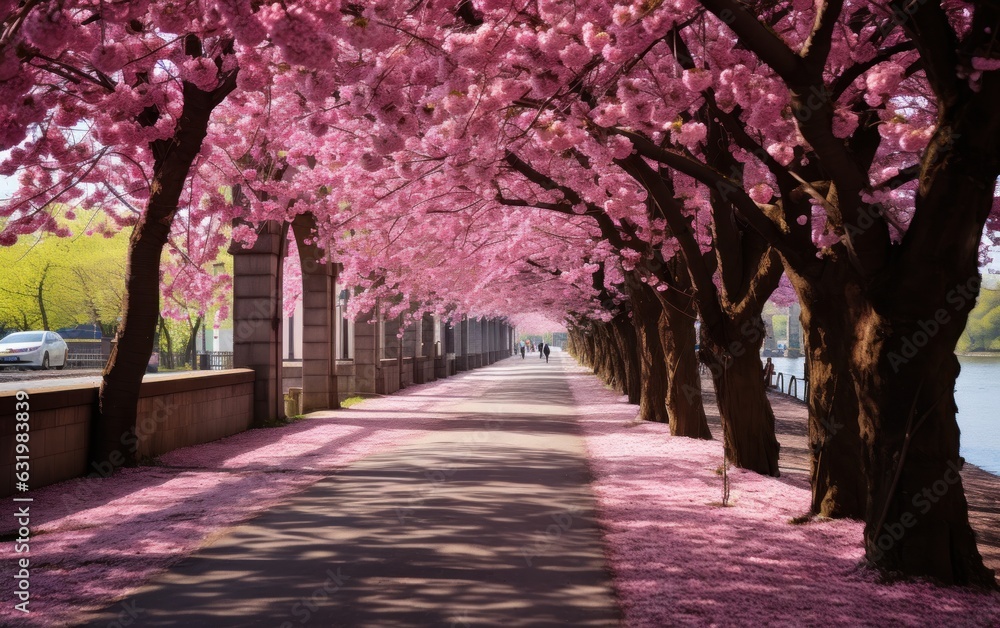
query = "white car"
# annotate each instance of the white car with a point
(34, 349)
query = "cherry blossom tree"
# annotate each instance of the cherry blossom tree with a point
(587, 161)
(908, 256)
(110, 104)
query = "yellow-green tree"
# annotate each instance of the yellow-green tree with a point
(982, 332)
(50, 282)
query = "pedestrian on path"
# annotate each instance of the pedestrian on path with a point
(545, 348)
(541, 350)
(522, 350)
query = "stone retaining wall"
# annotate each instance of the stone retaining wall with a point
(174, 411)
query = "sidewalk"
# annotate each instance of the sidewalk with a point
(464, 502)
(485, 520)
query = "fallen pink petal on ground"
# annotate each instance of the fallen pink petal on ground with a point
(95, 540)
(680, 558)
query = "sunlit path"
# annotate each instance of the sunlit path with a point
(485, 521)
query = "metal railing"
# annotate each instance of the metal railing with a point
(85, 360)
(793, 385)
(776, 380)
(215, 360)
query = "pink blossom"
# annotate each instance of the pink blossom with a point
(761, 193)
(697, 79)
(620, 147)
(690, 134)
(844, 122)
(371, 162)
(575, 55)
(915, 140)
(9, 65)
(48, 30)
(595, 39)
(109, 58)
(782, 152)
(985, 64)
(201, 73)
(882, 81)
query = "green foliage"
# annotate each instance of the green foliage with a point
(982, 332)
(50, 282)
(272, 423)
(780, 324)
(351, 401)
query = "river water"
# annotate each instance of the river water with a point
(977, 394)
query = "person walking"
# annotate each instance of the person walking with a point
(522, 350)
(541, 350)
(545, 349)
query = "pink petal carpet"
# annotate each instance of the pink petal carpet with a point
(681, 559)
(95, 540)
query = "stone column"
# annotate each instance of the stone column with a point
(485, 350)
(794, 332)
(390, 329)
(319, 374)
(770, 342)
(444, 364)
(475, 343)
(491, 335)
(462, 345)
(257, 318)
(449, 339)
(366, 348)
(428, 356)
(409, 362)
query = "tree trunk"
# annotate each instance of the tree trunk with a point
(41, 300)
(577, 347)
(165, 333)
(624, 334)
(594, 349)
(191, 346)
(917, 522)
(603, 358)
(747, 418)
(614, 362)
(837, 469)
(684, 400)
(113, 438)
(646, 317)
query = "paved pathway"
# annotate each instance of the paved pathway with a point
(488, 521)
